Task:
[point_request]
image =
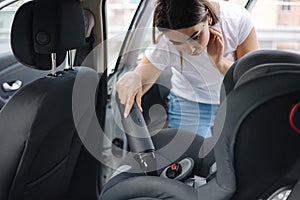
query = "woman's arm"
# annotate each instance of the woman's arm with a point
(250, 44)
(132, 85)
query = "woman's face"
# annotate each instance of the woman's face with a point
(192, 40)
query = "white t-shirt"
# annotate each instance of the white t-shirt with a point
(198, 79)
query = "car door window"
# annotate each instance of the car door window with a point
(119, 15)
(6, 17)
(277, 24)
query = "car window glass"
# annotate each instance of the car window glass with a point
(277, 24)
(240, 2)
(119, 15)
(6, 17)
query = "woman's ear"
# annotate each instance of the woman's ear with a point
(209, 17)
(210, 20)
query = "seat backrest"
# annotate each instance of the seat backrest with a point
(258, 124)
(39, 144)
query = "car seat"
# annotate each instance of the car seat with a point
(257, 138)
(39, 142)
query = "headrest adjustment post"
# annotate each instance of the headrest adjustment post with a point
(53, 59)
(70, 59)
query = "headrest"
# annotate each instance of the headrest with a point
(43, 27)
(263, 56)
(252, 60)
(267, 69)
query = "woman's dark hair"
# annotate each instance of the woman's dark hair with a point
(178, 14)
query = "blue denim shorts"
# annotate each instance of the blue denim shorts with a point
(192, 116)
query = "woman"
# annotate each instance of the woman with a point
(199, 40)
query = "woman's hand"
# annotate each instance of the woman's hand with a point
(129, 88)
(215, 47)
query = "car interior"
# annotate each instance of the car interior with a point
(63, 135)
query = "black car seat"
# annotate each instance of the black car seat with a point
(257, 145)
(39, 144)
